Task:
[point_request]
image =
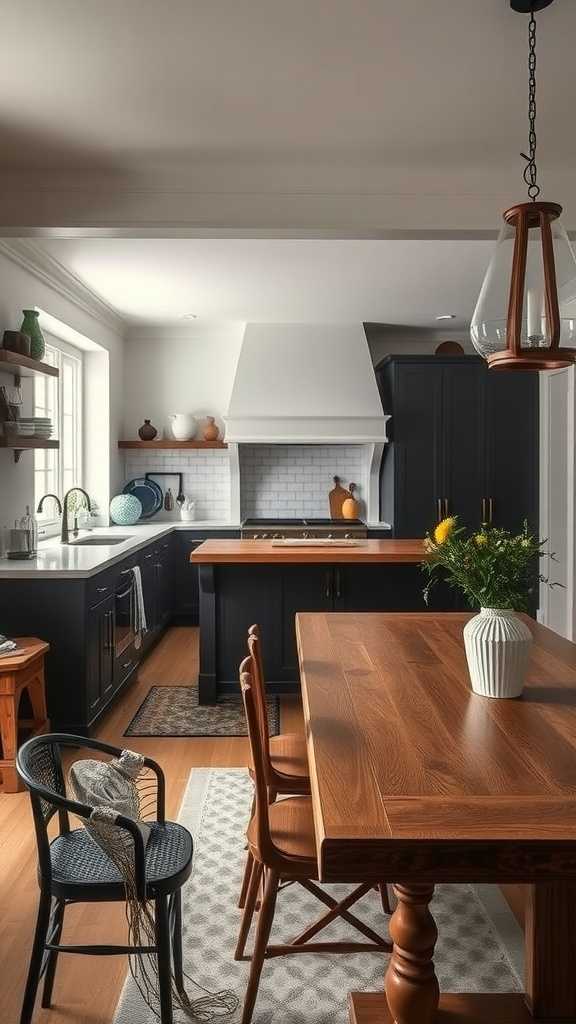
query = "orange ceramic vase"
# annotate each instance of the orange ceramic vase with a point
(210, 431)
(351, 507)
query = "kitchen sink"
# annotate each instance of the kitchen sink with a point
(102, 541)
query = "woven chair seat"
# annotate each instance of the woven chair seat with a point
(81, 870)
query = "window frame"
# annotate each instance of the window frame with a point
(65, 357)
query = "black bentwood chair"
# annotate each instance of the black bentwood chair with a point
(73, 869)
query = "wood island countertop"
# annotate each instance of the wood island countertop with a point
(231, 552)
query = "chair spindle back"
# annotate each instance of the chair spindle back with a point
(264, 842)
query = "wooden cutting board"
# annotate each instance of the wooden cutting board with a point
(337, 497)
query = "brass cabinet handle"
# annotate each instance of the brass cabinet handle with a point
(446, 505)
(328, 584)
(490, 510)
(338, 593)
(439, 508)
(483, 512)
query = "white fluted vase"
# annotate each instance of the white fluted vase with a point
(497, 646)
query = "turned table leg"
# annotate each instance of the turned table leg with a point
(411, 984)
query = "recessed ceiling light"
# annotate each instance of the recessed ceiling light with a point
(446, 316)
(190, 316)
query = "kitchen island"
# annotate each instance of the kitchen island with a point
(268, 582)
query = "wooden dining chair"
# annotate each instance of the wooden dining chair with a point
(286, 760)
(282, 844)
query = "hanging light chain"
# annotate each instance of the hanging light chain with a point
(531, 170)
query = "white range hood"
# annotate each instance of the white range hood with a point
(305, 384)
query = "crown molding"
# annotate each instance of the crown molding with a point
(62, 280)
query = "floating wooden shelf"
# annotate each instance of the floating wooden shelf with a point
(25, 444)
(23, 366)
(172, 444)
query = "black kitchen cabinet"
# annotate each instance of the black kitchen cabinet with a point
(303, 588)
(241, 599)
(99, 656)
(156, 567)
(164, 588)
(234, 596)
(464, 437)
(185, 596)
(147, 563)
(412, 467)
(464, 441)
(512, 451)
(386, 588)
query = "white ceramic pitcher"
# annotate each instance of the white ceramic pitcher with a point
(183, 426)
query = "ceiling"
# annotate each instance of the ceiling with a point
(420, 104)
(258, 280)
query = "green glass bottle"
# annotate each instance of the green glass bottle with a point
(31, 327)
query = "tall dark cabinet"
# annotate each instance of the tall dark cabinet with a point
(464, 441)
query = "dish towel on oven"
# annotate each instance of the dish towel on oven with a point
(140, 624)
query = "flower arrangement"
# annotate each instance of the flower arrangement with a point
(493, 568)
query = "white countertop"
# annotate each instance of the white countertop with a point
(56, 561)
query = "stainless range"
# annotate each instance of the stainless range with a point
(275, 529)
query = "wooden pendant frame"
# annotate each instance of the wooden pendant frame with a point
(515, 356)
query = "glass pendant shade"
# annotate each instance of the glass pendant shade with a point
(517, 322)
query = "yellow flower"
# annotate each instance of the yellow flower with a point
(480, 539)
(444, 529)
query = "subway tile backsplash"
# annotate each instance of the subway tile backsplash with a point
(275, 480)
(206, 477)
(294, 480)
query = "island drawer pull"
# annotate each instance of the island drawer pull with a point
(328, 591)
(338, 591)
(102, 590)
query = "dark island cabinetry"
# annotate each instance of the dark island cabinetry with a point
(464, 441)
(234, 596)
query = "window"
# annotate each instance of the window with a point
(60, 398)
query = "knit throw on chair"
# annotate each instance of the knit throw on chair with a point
(123, 786)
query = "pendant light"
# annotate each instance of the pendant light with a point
(517, 322)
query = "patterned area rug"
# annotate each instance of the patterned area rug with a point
(302, 989)
(174, 711)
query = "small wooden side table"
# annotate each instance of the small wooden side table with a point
(19, 671)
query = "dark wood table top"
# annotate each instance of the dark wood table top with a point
(414, 773)
(231, 552)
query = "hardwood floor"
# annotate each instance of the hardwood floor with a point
(87, 988)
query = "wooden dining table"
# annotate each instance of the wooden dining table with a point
(416, 781)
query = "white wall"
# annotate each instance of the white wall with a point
(172, 370)
(21, 288)
(557, 498)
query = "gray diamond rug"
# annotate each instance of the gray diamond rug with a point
(175, 711)
(308, 989)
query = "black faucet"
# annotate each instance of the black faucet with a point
(64, 534)
(43, 499)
